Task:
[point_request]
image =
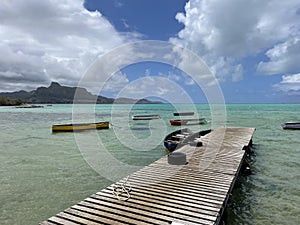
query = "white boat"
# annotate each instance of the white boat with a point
(291, 125)
(146, 117)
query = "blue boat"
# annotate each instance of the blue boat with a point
(183, 137)
(176, 139)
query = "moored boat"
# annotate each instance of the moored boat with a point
(194, 139)
(183, 113)
(188, 121)
(183, 137)
(79, 127)
(146, 117)
(178, 122)
(291, 125)
(175, 139)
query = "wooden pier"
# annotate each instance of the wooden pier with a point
(195, 193)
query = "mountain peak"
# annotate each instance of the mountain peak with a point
(56, 93)
(54, 84)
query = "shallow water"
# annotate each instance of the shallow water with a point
(43, 173)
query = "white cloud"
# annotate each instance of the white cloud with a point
(290, 84)
(118, 4)
(172, 76)
(224, 32)
(155, 86)
(116, 82)
(51, 40)
(195, 67)
(238, 73)
(147, 72)
(283, 58)
(189, 81)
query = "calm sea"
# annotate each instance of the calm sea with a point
(43, 173)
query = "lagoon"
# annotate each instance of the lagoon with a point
(43, 173)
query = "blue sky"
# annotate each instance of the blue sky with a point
(155, 20)
(251, 47)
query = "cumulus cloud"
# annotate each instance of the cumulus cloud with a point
(283, 58)
(155, 86)
(50, 40)
(225, 32)
(116, 82)
(290, 84)
(179, 77)
(238, 73)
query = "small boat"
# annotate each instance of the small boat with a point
(291, 126)
(188, 121)
(183, 113)
(178, 122)
(183, 137)
(79, 127)
(146, 117)
(193, 139)
(175, 139)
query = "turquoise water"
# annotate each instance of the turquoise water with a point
(43, 173)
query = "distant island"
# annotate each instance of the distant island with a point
(58, 94)
(10, 102)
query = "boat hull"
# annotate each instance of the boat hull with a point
(146, 117)
(178, 122)
(291, 126)
(188, 122)
(79, 127)
(183, 137)
(175, 139)
(183, 113)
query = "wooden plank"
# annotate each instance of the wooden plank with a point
(191, 194)
(180, 204)
(162, 211)
(104, 210)
(83, 218)
(182, 177)
(60, 220)
(190, 171)
(49, 223)
(134, 208)
(106, 214)
(192, 185)
(181, 192)
(209, 201)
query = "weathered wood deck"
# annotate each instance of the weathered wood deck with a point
(195, 193)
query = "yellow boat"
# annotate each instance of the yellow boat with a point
(79, 127)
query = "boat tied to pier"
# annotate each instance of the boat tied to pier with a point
(79, 127)
(175, 139)
(183, 137)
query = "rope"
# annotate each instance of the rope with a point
(122, 189)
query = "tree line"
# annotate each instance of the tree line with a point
(4, 101)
